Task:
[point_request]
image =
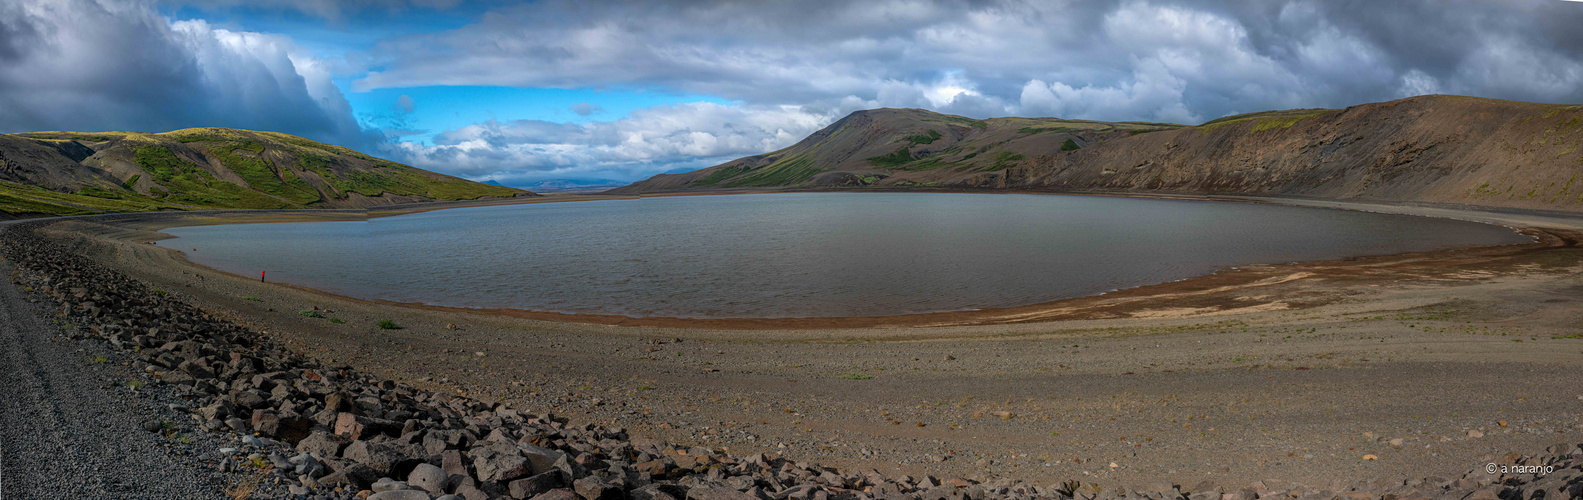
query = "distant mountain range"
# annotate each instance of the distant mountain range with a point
(563, 185)
(64, 173)
(1446, 149)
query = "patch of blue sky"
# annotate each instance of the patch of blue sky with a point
(438, 109)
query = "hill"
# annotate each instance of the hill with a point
(899, 148)
(1442, 149)
(68, 173)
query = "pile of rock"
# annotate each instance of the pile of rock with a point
(329, 432)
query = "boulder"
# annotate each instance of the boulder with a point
(265, 422)
(556, 495)
(501, 467)
(717, 493)
(321, 445)
(346, 425)
(596, 488)
(659, 492)
(399, 495)
(451, 462)
(387, 484)
(356, 475)
(385, 459)
(249, 399)
(359, 427)
(196, 369)
(428, 478)
(530, 487)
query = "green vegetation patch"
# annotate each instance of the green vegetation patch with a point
(386, 324)
(1282, 123)
(781, 173)
(23, 199)
(1005, 160)
(310, 313)
(1070, 145)
(720, 175)
(857, 376)
(189, 184)
(930, 163)
(928, 138)
(99, 193)
(1276, 119)
(263, 175)
(51, 136)
(899, 156)
(395, 178)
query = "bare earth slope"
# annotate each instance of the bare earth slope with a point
(65, 173)
(1440, 149)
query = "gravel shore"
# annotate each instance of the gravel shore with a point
(74, 423)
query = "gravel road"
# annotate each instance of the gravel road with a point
(70, 427)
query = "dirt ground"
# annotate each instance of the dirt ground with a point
(1433, 363)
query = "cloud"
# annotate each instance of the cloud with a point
(586, 109)
(334, 10)
(648, 141)
(86, 65)
(1183, 61)
(1177, 59)
(404, 103)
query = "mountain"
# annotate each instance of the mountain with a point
(900, 148)
(65, 173)
(1443, 149)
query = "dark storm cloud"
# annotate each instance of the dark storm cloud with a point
(86, 65)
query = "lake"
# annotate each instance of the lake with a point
(802, 254)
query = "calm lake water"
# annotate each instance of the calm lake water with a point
(802, 254)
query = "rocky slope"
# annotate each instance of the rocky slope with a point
(64, 173)
(1440, 149)
(322, 431)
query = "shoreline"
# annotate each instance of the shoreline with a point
(1411, 348)
(1226, 280)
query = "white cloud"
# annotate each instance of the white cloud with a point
(1417, 83)
(647, 142)
(86, 65)
(1153, 94)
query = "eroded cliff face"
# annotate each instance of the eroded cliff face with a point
(1435, 149)
(1441, 149)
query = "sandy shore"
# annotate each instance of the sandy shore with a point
(1269, 372)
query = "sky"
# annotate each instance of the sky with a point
(522, 92)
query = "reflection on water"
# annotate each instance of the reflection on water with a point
(803, 254)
